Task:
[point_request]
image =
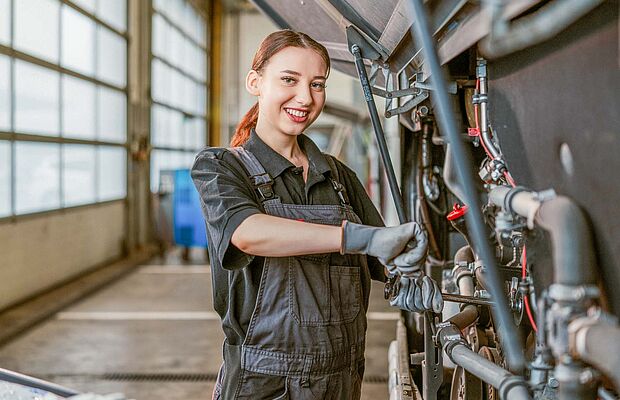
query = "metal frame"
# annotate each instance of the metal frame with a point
(13, 136)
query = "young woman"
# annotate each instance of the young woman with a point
(291, 261)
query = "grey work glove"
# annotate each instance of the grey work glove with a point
(418, 295)
(400, 248)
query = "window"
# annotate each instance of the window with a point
(78, 115)
(112, 173)
(37, 176)
(36, 99)
(36, 28)
(78, 37)
(78, 167)
(179, 86)
(5, 178)
(5, 93)
(67, 82)
(5, 22)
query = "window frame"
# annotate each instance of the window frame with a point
(12, 136)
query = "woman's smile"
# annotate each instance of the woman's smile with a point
(296, 115)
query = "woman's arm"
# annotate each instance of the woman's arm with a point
(269, 236)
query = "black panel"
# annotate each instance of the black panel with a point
(566, 91)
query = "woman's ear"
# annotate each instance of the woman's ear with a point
(252, 83)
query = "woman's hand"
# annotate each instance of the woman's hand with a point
(401, 248)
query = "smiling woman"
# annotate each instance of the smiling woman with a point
(291, 261)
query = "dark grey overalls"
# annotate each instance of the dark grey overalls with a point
(309, 323)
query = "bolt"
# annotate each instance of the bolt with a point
(553, 383)
(586, 376)
(423, 111)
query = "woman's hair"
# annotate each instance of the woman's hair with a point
(272, 44)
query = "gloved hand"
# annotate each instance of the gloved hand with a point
(418, 295)
(400, 248)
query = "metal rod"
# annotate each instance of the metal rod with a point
(376, 124)
(467, 299)
(25, 380)
(464, 168)
(398, 203)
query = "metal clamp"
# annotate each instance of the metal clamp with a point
(569, 293)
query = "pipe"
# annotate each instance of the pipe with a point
(510, 386)
(550, 20)
(597, 344)
(466, 317)
(483, 99)
(21, 379)
(573, 250)
(464, 168)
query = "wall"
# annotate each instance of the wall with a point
(40, 252)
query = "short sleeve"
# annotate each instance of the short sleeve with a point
(366, 210)
(227, 199)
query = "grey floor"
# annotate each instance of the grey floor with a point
(153, 335)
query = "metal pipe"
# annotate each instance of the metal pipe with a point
(510, 386)
(573, 250)
(483, 99)
(598, 344)
(379, 134)
(467, 299)
(550, 20)
(464, 168)
(21, 379)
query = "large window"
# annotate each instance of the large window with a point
(179, 86)
(63, 103)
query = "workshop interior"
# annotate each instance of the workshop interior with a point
(494, 124)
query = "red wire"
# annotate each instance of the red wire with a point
(512, 183)
(526, 299)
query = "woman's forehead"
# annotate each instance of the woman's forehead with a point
(301, 60)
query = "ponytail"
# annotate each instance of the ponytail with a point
(242, 133)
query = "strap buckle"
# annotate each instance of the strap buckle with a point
(341, 192)
(264, 185)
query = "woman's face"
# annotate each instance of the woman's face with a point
(290, 90)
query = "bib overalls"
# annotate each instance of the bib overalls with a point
(309, 322)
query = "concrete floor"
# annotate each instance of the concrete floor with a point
(153, 335)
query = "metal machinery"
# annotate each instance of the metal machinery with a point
(509, 116)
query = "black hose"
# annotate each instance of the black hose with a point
(475, 222)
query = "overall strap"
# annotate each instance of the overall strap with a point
(262, 181)
(338, 187)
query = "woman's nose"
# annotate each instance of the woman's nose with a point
(304, 96)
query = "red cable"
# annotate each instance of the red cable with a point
(526, 300)
(512, 183)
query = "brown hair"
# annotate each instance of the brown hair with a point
(272, 44)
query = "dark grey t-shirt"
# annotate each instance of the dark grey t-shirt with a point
(227, 198)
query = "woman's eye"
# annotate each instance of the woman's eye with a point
(288, 80)
(319, 85)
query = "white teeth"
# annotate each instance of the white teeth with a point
(296, 112)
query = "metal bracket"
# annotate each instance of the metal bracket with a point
(419, 91)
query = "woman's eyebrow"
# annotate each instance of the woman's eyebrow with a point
(288, 71)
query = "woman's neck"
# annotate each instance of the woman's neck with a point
(283, 144)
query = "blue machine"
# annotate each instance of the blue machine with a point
(189, 225)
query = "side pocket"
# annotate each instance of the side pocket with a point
(346, 293)
(255, 386)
